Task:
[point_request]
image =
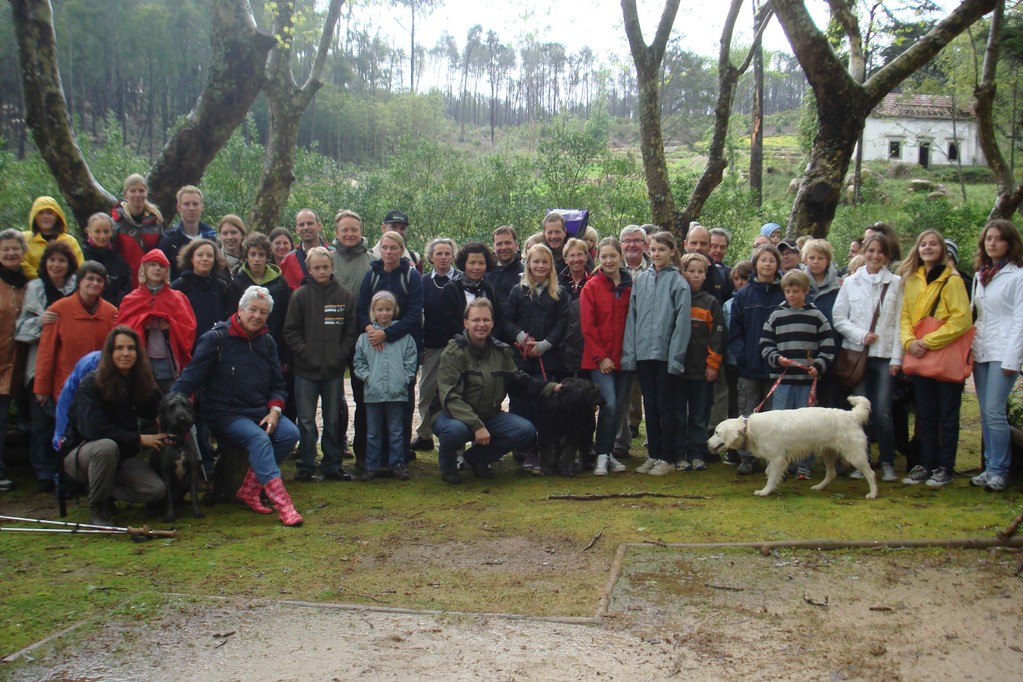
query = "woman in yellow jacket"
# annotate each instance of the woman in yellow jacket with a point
(46, 222)
(930, 284)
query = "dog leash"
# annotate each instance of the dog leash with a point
(777, 382)
(522, 351)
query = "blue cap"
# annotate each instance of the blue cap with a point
(769, 228)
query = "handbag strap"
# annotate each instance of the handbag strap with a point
(877, 310)
(937, 300)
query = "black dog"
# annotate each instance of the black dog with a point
(565, 422)
(178, 462)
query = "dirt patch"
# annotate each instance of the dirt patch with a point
(706, 614)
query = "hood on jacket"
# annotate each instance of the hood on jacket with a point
(830, 283)
(272, 273)
(43, 203)
(360, 248)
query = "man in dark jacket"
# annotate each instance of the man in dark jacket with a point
(321, 331)
(508, 270)
(476, 373)
(189, 227)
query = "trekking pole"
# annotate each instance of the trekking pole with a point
(75, 527)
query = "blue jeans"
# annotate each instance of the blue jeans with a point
(615, 390)
(329, 392)
(385, 433)
(697, 401)
(266, 451)
(876, 386)
(792, 397)
(937, 421)
(993, 389)
(507, 432)
(662, 407)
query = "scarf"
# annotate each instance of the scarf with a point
(477, 289)
(14, 278)
(50, 290)
(988, 271)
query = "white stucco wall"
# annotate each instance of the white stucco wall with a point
(880, 132)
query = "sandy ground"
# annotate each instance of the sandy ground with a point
(672, 614)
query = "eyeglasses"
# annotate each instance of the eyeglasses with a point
(633, 241)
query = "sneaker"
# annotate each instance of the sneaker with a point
(980, 480)
(803, 473)
(996, 483)
(452, 477)
(371, 476)
(5, 483)
(303, 476)
(916, 475)
(460, 463)
(939, 477)
(699, 465)
(422, 444)
(683, 465)
(857, 474)
(399, 472)
(646, 466)
(888, 472)
(731, 458)
(615, 466)
(338, 475)
(746, 466)
(661, 468)
(531, 463)
(601, 468)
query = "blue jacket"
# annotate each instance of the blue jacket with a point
(751, 306)
(407, 286)
(386, 373)
(175, 239)
(67, 394)
(238, 377)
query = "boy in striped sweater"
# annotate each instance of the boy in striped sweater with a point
(799, 346)
(703, 362)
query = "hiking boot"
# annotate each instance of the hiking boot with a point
(980, 480)
(338, 475)
(888, 472)
(400, 472)
(601, 468)
(422, 444)
(917, 475)
(614, 465)
(661, 468)
(452, 477)
(371, 475)
(98, 516)
(746, 466)
(699, 465)
(646, 466)
(996, 483)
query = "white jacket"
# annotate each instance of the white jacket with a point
(854, 309)
(999, 323)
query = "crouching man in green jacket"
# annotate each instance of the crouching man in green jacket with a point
(476, 373)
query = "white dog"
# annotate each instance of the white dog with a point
(787, 436)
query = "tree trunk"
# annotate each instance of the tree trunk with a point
(648, 66)
(843, 104)
(237, 72)
(287, 101)
(46, 110)
(756, 153)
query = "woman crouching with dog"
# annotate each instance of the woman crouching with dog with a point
(236, 365)
(103, 432)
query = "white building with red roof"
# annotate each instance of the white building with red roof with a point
(922, 129)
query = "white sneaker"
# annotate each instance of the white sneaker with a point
(888, 472)
(996, 483)
(661, 468)
(601, 468)
(979, 480)
(616, 466)
(682, 465)
(646, 466)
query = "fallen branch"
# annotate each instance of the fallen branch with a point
(1011, 530)
(610, 496)
(727, 588)
(595, 538)
(881, 608)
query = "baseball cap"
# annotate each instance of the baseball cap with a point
(396, 217)
(787, 245)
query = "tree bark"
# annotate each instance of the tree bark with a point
(648, 66)
(756, 146)
(236, 75)
(1009, 196)
(728, 77)
(286, 102)
(46, 112)
(843, 104)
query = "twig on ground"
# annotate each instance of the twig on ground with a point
(368, 596)
(811, 602)
(1011, 530)
(610, 496)
(727, 588)
(595, 538)
(881, 608)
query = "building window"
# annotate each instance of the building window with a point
(895, 149)
(953, 151)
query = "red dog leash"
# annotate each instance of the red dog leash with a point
(522, 350)
(788, 363)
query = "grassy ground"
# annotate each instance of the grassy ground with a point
(485, 546)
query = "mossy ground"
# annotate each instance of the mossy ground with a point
(484, 546)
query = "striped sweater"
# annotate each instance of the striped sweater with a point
(802, 335)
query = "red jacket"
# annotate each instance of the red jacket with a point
(603, 308)
(167, 304)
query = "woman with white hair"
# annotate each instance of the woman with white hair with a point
(243, 392)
